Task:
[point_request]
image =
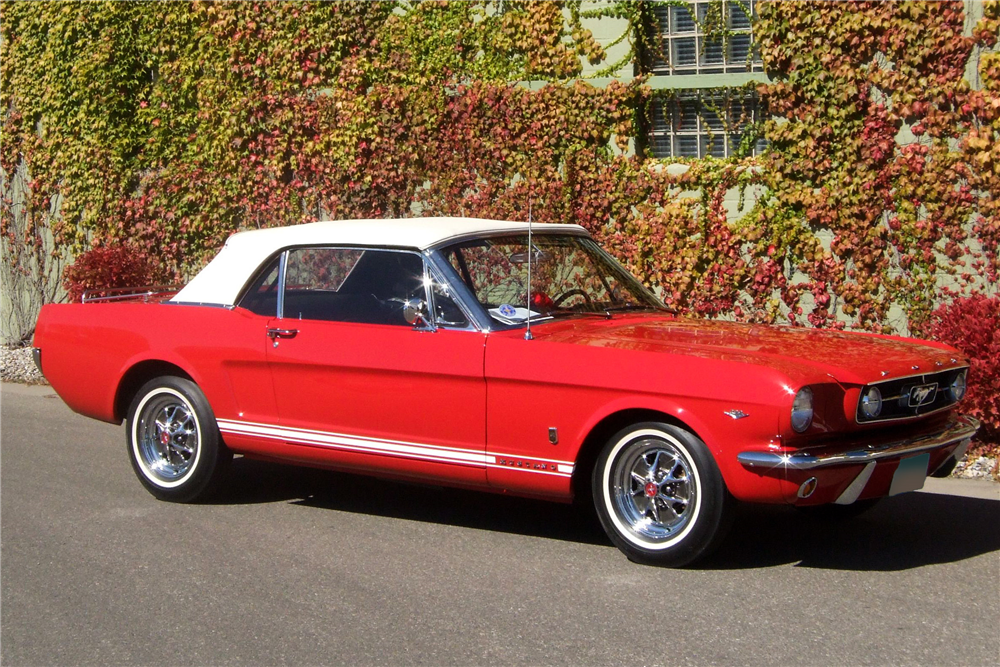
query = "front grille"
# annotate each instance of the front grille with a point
(912, 396)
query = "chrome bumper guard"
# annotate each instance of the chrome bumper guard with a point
(36, 356)
(959, 428)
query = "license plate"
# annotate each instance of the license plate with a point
(910, 474)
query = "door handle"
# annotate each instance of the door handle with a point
(275, 334)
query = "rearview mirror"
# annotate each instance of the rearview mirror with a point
(537, 257)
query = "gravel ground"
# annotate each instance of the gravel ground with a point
(16, 365)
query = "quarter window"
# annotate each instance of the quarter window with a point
(261, 297)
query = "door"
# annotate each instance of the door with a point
(357, 386)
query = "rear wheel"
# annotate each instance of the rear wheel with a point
(659, 495)
(173, 440)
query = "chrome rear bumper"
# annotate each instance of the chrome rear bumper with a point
(961, 427)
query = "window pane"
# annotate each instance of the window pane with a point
(351, 285)
(713, 51)
(685, 52)
(711, 119)
(739, 48)
(661, 145)
(658, 115)
(686, 115)
(714, 145)
(681, 20)
(319, 268)
(446, 311)
(687, 146)
(738, 19)
(262, 296)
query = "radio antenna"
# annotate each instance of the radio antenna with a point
(527, 330)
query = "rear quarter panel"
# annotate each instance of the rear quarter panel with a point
(88, 348)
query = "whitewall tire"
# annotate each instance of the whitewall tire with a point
(173, 440)
(659, 494)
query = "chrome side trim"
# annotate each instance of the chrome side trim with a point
(397, 448)
(282, 266)
(916, 375)
(500, 233)
(852, 492)
(198, 303)
(124, 293)
(960, 428)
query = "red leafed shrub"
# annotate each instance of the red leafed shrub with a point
(109, 267)
(972, 325)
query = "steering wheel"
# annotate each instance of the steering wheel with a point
(576, 291)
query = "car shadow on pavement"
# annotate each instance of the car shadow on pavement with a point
(907, 531)
(258, 482)
(903, 532)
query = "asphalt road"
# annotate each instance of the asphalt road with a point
(295, 566)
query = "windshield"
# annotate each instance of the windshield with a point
(570, 275)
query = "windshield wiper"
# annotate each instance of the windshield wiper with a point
(638, 306)
(603, 314)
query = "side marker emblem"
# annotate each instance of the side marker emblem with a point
(736, 414)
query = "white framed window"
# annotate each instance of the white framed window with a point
(702, 123)
(705, 37)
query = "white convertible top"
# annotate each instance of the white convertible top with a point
(221, 281)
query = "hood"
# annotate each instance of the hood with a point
(803, 354)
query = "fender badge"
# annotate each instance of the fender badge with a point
(736, 414)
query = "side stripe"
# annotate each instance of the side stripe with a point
(363, 444)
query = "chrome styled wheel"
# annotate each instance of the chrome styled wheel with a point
(166, 437)
(659, 494)
(173, 440)
(654, 489)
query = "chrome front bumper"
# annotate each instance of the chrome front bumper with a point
(960, 428)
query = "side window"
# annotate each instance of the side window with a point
(351, 285)
(262, 297)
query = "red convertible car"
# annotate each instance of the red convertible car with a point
(485, 355)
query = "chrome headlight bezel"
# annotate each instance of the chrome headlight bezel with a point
(958, 386)
(802, 410)
(871, 402)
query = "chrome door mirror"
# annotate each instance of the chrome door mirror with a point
(415, 313)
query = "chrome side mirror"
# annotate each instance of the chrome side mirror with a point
(415, 313)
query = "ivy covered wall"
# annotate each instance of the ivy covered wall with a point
(165, 127)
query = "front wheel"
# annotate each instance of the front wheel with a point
(173, 440)
(659, 495)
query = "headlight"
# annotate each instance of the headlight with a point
(956, 390)
(802, 410)
(871, 402)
